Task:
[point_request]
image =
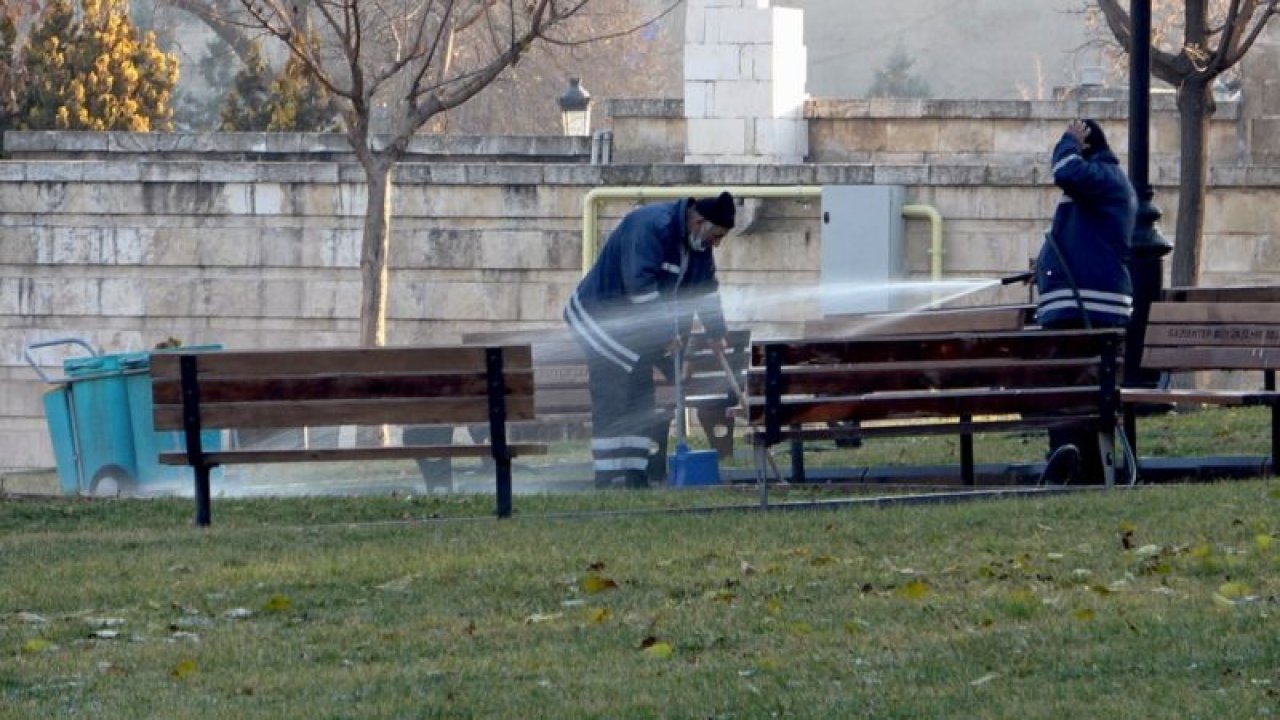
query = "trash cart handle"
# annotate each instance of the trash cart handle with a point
(26, 353)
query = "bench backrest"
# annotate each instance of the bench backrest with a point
(982, 318)
(1212, 335)
(560, 371)
(346, 386)
(944, 375)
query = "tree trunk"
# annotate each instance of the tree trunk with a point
(1195, 105)
(375, 243)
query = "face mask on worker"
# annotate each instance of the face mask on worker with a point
(698, 242)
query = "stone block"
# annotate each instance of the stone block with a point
(740, 26)
(18, 245)
(717, 137)
(901, 175)
(282, 298)
(699, 97)
(332, 299)
(280, 247)
(711, 63)
(845, 174)
(169, 297)
(168, 246)
(119, 297)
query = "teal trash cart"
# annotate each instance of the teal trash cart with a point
(100, 423)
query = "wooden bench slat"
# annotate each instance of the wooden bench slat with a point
(1211, 358)
(343, 386)
(1027, 345)
(399, 452)
(937, 428)
(1246, 293)
(256, 363)
(945, 403)
(343, 412)
(1234, 398)
(1192, 334)
(929, 375)
(1213, 312)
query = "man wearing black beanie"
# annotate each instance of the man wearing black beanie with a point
(1082, 274)
(632, 310)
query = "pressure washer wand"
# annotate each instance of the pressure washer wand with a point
(1019, 278)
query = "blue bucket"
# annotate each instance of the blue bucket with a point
(694, 468)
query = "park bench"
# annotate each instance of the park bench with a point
(1211, 329)
(563, 399)
(251, 389)
(929, 384)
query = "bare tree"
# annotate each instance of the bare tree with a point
(397, 64)
(1215, 36)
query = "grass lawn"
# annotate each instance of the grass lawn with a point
(1134, 603)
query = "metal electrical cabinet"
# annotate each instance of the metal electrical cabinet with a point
(863, 248)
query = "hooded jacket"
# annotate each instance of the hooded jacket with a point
(1091, 236)
(645, 284)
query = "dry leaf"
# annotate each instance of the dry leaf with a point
(1233, 590)
(598, 584)
(914, 590)
(184, 669)
(278, 603)
(36, 645)
(1085, 614)
(660, 650)
(599, 616)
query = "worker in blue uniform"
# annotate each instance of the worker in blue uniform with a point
(1082, 273)
(630, 313)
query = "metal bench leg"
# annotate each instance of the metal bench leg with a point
(1107, 448)
(203, 512)
(761, 453)
(967, 475)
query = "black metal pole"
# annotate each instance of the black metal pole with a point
(1148, 246)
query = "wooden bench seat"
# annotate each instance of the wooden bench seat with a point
(966, 382)
(252, 389)
(1211, 329)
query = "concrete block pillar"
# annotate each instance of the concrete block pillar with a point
(1262, 96)
(745, 67)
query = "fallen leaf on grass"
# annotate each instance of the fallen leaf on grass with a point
(36, 645)
(1233, 590)
(598, 584)
(660, 650)
(915, 590)
(599, 616)
(184, 669)
(278, 603)
(104, 634)
(1263, 542)
(1084, 614)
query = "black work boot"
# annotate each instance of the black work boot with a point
(1063, 466)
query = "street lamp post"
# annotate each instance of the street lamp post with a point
(575, 109)
(1148, 246)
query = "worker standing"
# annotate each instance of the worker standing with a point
(633, 310)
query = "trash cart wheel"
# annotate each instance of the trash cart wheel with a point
(112, 481)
